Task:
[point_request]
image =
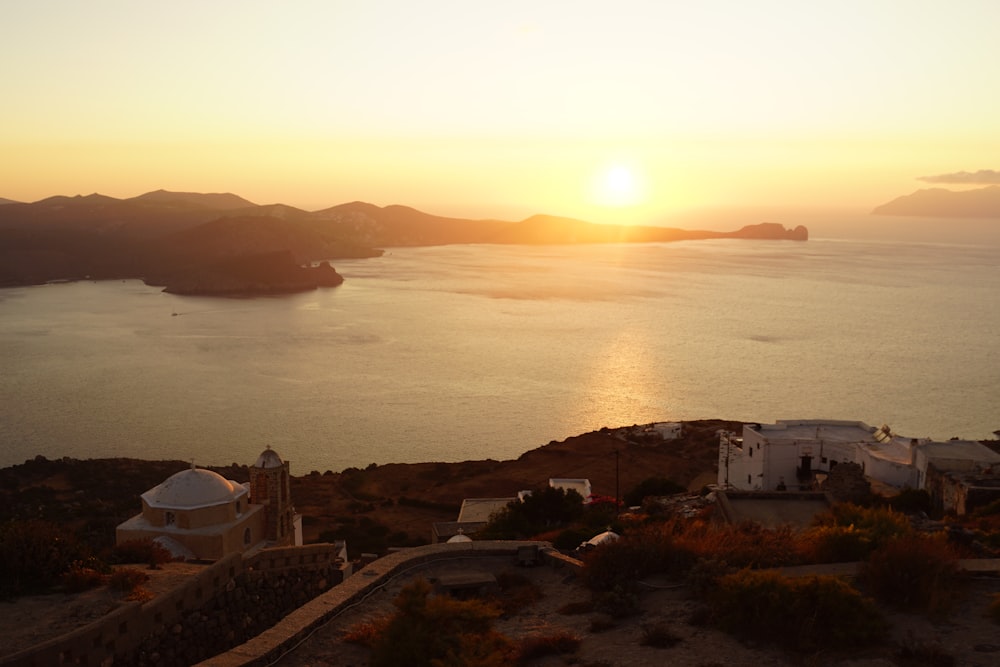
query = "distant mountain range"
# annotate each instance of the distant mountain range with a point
(167, 238)
(942, 203)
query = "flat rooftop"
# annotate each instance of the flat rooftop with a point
(772, 510)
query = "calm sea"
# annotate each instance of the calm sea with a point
(471, 352)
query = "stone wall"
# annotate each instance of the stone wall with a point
(267, 647)
(220, 607)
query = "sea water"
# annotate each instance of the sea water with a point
(475, 351)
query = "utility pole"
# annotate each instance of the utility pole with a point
(617, 496)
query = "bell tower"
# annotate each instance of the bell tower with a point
(270, 487)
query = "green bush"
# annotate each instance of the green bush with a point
(803, 614)
(913, 573)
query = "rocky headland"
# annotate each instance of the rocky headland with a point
(220, 243)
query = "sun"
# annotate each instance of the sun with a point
(618, 185)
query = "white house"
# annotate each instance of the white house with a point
(788, 453)
(581, 486)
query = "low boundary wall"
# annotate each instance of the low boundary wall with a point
(281, 638)
(119, 636)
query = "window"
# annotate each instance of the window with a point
(169, 519)
(246, 537)
(239, 507)
(749, 481)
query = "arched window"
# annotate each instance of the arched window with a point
(169, 519)
(246, 537)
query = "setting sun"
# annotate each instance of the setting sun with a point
(618, 186)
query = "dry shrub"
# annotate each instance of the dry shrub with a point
(804, 614)
(914, 653)
(834, 544)
(430, 630)
(140, 551)
(601, 623)
(993, 611)
(622, 601)
(658, 635)
(704, 576)
(647, 550)
(126, 579)
(913, 573)
(538, 646)
(81, 577)
(579, 607)
(366, 633)
(139, 594)
(746, 544)
(878, 524)
(516, 592)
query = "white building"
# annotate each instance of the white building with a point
(580, 485)
(788, 453)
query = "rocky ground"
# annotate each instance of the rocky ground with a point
(963, 638)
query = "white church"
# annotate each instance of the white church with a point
(198, 514)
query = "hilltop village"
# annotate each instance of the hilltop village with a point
(239, 550)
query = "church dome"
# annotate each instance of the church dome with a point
(194, 488)
(268, 459)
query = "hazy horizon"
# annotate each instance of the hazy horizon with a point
(635, 113)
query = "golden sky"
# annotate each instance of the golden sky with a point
(626, 110)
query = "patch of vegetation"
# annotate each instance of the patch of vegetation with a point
(913, 573)
(428, 630)
(622, 601)
(140, 551)
(647, 550)
(878, 524)
(545, 509)
(803, 614)
(601, 623)
(450, 508)
(914, 653)
(539, 646)
(658, 635)
(366, 535)
(517, 592)
(34, 555)
(912, 501)
(578, 607)
(993, 611)
(83, 576)
(835, 544)
(651, 486)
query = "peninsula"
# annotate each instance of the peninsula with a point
(195, 243)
